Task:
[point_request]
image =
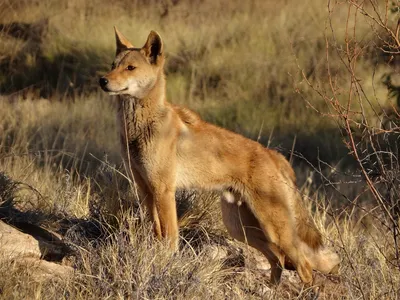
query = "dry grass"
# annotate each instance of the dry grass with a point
(237, 64)
(124, 260)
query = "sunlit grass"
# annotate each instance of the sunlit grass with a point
(238, 64)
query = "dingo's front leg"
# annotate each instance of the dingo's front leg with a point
(160, 203)
(152, 211)
(164, 204)
(146, 195)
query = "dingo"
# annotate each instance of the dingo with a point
(167, 147)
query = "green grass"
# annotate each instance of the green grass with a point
(242, 71)
(245, 72)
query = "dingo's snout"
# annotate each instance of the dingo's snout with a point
(103, 83)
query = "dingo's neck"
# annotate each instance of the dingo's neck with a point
(136, 115)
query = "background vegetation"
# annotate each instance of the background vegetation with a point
(315, 79)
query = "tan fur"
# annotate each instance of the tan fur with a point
(306, 229)
(167, 147)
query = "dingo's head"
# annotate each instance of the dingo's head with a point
(135, 70)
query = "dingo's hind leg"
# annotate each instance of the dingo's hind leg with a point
(278, 225)
(244, 227)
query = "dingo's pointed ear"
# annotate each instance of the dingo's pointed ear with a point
(122, 42)
(153, 48)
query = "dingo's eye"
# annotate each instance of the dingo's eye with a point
(130, 68)
(112, 66)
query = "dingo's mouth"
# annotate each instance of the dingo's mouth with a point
(115, 92)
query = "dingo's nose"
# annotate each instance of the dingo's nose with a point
(103, 81)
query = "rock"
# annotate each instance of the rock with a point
(216, 252)
(14, 244)
(42, 269)
(27, 251)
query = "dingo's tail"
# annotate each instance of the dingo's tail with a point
(321, 258)
(305, 225)
(306, 228)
